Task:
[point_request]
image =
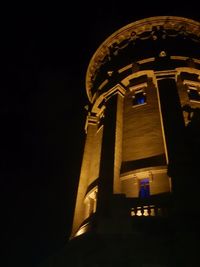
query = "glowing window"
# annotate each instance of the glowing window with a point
(139, 98)
(144, 190)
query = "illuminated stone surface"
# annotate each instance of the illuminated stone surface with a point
(132, 190)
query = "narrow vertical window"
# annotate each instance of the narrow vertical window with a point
(144, 189)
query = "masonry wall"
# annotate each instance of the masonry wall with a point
(142, 133)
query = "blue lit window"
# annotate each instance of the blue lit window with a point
(144, 189)
(139, 98)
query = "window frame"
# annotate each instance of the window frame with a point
(134, 98)
(192, 85)
(138, 89)
(194, 89)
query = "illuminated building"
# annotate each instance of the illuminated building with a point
(143, 85)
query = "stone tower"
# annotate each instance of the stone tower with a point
(143, 86)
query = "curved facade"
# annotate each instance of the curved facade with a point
(137, 83)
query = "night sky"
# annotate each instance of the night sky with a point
(44, 58)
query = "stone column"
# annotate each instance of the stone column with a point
(172, 118)
(109, 180)
(79, 214)
(174, 133)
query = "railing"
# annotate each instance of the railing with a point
(150, 210)
(154, 206)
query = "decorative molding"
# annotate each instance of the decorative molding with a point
(91, 120)
(146, 60)
(143, 173)
(139, 62)
(103, 84)
(191, 83)
(125, 68)
(148, 73)
(178, 57)
(151, 28)
(138, 86)
(118, 88)
(187, 69)
(165, 74)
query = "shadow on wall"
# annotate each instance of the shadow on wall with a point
(192, 133)
(185, 172)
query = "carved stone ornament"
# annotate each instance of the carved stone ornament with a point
(151, 28)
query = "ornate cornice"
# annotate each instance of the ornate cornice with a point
(149, 28)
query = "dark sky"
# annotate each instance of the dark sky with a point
(44, 56)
